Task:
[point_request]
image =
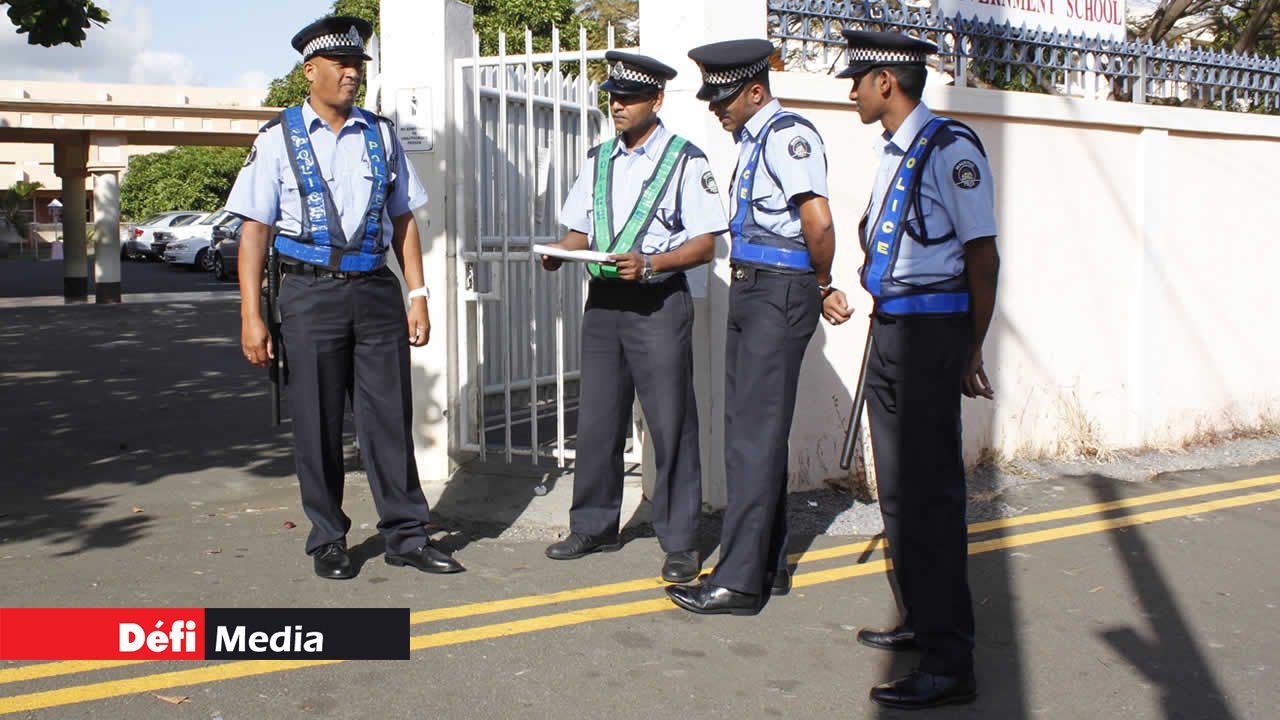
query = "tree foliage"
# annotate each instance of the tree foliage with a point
(15, 203)
(1243, 26)
(54, 22)
(184, 178)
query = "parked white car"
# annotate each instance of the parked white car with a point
(193, 243)
(142, 242)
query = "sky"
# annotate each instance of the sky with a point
(219, 43)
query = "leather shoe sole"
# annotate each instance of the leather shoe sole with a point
(893, 641)
(681, 567)
(441, 565)
(889, 695)
(679, 595)
(601, 548)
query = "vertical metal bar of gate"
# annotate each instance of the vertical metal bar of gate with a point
(478, 135)
(557, 156)
(504, 224)
(530, 180)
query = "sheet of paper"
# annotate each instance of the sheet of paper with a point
(573, 255)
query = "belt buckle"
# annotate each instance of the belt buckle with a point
(739, 273)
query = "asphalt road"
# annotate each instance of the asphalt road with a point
(30, 278)
(140, 470)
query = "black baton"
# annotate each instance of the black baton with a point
(851, 434)
(273, 326)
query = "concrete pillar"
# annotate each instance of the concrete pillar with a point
(701, 22)
(419, 40)
(106, 254)
(69, 162)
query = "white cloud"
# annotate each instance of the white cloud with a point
(115, 53)
(252, 79)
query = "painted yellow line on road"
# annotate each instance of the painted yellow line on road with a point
(1140, 500)
(62, 667)
(55, 669)
(233, 670)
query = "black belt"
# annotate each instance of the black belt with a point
(742, 271)
(312, 270)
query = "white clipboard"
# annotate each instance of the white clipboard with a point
(573, 255)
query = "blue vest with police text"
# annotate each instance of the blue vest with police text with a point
(752, 244)
(322, 241)
(882, 246)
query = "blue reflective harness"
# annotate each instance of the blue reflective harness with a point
(743, 250)
(882, 250)
(322, 241)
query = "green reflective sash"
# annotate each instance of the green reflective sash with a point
(645, 210)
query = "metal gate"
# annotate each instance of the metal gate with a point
(527, 122)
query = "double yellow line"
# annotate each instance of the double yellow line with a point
(249, 668)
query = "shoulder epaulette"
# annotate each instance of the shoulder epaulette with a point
(270, 124)
(693, 150)
(954, 129)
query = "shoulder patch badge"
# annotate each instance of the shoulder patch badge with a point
(253, 155)
(799, 148)
(709, 183)
(965, 175)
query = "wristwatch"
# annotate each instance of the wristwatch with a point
(825, 290)
(647, 273)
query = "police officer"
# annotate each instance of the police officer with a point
(333, 180)
(649, 199)
(930, 265)
(783, 243)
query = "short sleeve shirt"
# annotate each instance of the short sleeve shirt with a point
(794, 163)
(957, 194)
(691, 205)
(266, 190)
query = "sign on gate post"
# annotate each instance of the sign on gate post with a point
(413, 119)
(1105, 18)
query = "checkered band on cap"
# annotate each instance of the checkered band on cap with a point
(888, 57)
(622, 71)
(734, 75)
(350, 41)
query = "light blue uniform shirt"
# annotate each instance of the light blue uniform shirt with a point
(690, 207)
(267, 190)
(796, 156)
(956, 193)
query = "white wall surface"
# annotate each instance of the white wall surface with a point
(1136, 243)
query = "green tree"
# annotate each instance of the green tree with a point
(54, 22)
(15, 203)
(184, 178)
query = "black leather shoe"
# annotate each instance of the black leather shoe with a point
(779, 583)
(427, 559)
(681, 567)
(926, 690)
(895, 639)
(332, 562)
(707, 599)
(580, 544)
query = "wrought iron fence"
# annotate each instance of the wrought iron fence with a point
(985, 53)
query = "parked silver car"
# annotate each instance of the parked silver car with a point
(143, 243)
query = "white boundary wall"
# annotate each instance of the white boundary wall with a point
(1135, 305)
(1137, 245)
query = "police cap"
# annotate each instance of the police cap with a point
(632, 74)
(334, 36)
(869, 50)
(727, 66)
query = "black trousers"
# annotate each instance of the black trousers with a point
(350, 337)
(771, 318)
(637, 340)
(913, 400)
